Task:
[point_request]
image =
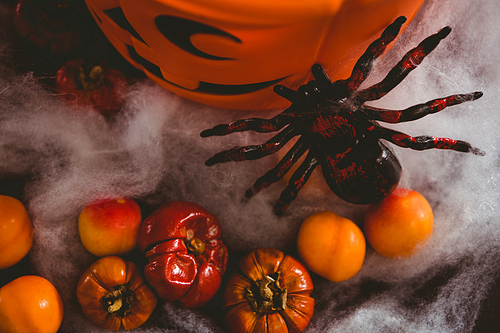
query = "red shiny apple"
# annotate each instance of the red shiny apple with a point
(185, 255)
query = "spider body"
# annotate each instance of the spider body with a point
(356, 165)
(340, 133)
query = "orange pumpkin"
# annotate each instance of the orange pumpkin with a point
(113, 294)
(271, 294)
(230, 53)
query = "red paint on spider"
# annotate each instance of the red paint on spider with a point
(445, 143)
(332, 126)
(439, 105)
(391, 116)
(346, 173)
(398, 139)
(414, 59)
(355, 81)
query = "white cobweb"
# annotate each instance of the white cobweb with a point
(154, 154)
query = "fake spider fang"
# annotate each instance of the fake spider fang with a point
(340, 133)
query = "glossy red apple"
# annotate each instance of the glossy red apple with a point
(185, 255)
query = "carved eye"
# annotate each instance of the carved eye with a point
(179, 31)
(117, 16)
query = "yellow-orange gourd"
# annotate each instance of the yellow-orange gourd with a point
(331, 246)
(31, 304)
(400, 225)
(16, 231)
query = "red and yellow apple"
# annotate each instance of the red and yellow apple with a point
(110, 227)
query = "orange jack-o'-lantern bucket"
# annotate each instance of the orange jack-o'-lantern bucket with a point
(230, 53)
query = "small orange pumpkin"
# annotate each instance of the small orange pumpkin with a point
(271, 295)
(113, 294)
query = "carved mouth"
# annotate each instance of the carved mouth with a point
(204, 87)
(178, 31)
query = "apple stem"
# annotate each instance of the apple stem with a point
(94, 80)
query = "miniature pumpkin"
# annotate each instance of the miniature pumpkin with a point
(230, 53)
(271, 294)
(114, 295)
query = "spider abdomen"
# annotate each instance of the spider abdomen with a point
(363, 175)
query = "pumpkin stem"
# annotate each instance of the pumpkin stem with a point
(118, 301)
(196, 246)
(92, 81)
(266, 295)
(116, 305)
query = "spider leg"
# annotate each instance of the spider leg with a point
(253, 124)
(409, 62)
(375, 49)
(417, 111)
(297, 181)
(255, 151)
(426, 142)
(279, 170)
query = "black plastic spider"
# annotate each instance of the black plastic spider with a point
(340, 132)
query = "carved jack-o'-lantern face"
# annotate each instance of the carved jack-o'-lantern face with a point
(230, 53)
